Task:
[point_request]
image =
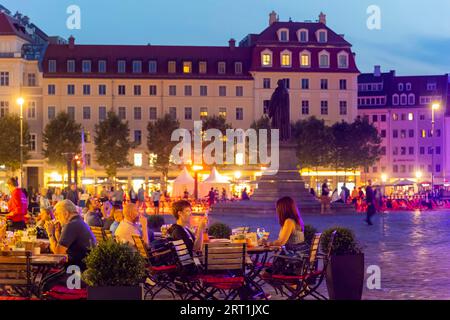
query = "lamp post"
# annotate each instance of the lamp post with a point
(434, 108)
(20, 102)
(196, 169)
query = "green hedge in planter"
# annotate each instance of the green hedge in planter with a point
(309, 233)
(219, 230)
(155, 222)
(344, 242)
(112, 264)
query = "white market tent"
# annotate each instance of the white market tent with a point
(183, 182)
(214, 180)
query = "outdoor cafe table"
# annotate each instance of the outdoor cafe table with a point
(45, 265)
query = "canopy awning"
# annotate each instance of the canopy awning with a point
(403, 182)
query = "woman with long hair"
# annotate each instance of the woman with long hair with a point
(291, 223)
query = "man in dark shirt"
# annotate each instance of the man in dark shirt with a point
(70, 234)
(370, 200)
(181, 210)
(72, 195)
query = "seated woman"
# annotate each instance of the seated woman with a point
(129, 226)
(117, 214)
(292, 226)
(182, 210)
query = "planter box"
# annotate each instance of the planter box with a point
(116, 293)
(345, 277)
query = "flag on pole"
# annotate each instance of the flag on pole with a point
(83, 152)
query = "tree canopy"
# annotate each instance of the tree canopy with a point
(10, 141)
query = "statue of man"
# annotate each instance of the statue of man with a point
(279, 111)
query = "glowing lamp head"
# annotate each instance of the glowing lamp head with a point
(436, 106)
(418, 174)
(384, 177)
(197, 168)
(20, 101)
(237, 174)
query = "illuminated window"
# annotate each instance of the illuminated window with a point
(223, 112)
(286, 59)
(187, 67)
(305, 59)
(423, 133)
(152, 159)
(410, 116)
(267, 60)
(138, 159)
(394, 116)
(203, 112)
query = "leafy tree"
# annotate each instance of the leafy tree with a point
(159, 142)
(10, 141)
(261, 123)
(219, 123)
(112, 144)
(61, 135)
(342, 145)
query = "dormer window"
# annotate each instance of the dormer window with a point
(221, 67)
(408, 86)
(137, 66)
(51, 65)
(187, 67)
(102, 66)
(283, 35)
(322, 36)
(86, 66)
(286, 58)
(343, 60)
(172, 66)
(202, 67)
(238, 67)
(305, 59)
(152, 66)
(431, 86)
(403, 99)
(302, 35)
(266, 58)
(324, 59)
(70, 65)
(121, 66)
(411, 99)
(400, 87)
(395, 99)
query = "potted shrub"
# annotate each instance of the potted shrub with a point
(345, 271)
(114, 271)
(219, 230)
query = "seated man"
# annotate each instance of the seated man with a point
(93, 216)
(70, 234)
(129, 226)
(181, 210)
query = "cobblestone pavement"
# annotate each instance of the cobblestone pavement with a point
(409, 247)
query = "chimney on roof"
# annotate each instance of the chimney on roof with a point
(377, 71)
(323, 18)
(273, 17)
(71, 42)
(232, 43)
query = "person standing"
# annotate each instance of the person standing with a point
(132, 195)
(211, 197)
(370, 201)
(118, 196)
(325, 198)
(72, 194)
(17, 206)
(156, 196)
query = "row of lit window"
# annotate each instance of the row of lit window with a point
(405, 169)
(305, 107)
(152, 90)
(137, 113)
(305, 59)
(423, 133)
(137, 66)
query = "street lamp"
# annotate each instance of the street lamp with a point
(20, 102)
(435, 106)
(384, 178)
(196, 169)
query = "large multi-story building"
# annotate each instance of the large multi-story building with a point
(142, 83)
(401, 107)
(22, 45)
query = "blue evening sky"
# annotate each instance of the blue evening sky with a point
(414, 36)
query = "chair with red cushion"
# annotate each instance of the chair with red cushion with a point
(224, 265)
(60, 292)
(159, 278)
